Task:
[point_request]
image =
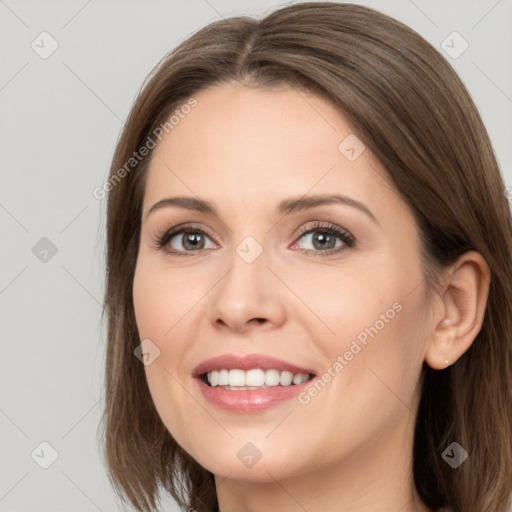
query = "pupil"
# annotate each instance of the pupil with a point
(323, 237)
(192, 240)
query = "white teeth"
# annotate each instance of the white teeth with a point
(272, 377)
(286, 378)
(223, 378)
(254, 378)
(236, 378)
(299, 378)
(213, 377)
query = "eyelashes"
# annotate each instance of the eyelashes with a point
(163, 240)
(348, 240)
(325, 228)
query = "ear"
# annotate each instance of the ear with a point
(460, 313)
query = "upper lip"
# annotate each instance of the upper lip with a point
(246, 362)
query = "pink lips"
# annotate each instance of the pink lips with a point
(248, 400)
(246, 362)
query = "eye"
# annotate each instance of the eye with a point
(326, 239)
(183, 239)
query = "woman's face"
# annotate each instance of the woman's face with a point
(333, 289)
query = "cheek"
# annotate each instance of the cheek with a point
(372, 318)
(161, 303)
(348, 304)
(383, 354)
(146, 297)
(160, 298)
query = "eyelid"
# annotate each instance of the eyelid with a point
(327, 226)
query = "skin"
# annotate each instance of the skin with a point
(348, 449)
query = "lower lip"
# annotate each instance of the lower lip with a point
(250, 400)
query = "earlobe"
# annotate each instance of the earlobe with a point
(439, 353)
(445, 323)
(463, 301)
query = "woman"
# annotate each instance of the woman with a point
(308, 276)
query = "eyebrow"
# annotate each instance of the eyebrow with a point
(285, 207)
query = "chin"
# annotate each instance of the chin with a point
(245, 461)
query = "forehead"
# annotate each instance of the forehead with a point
(246, 147)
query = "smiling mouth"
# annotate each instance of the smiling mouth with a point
(257, 378)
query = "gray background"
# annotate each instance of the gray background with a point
(61, 117)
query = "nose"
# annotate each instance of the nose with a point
(247, 297)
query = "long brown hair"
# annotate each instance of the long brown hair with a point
(413, 112)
